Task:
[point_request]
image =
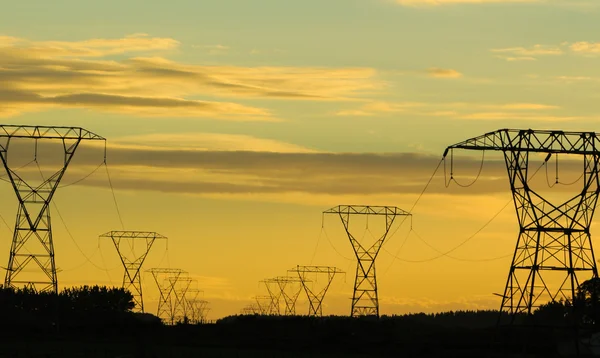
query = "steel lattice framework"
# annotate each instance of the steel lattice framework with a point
(250, 309)
(32, 240)
(294, 286)
(166, 280)
(274, 292)
(132, 262)
(315, 299)
(554, 239)
(365, 301)
(265, 305)
(181, 285)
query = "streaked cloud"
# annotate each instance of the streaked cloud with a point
(449, 2)
(584, 47)
(530, 53)
(378, 108)
(535, 50)
(57, 74)
(207, 141)
(443, 73)
(92, 47)
(520, 116)
(456, 109)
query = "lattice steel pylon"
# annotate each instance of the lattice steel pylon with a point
(290, 299)
(275, 293)
(315, 299)
(250, 309)
(265, 305)
(554, 242)
(132, 262)
(166, 279)
(32, 242)
(365, 299)
(180, 287)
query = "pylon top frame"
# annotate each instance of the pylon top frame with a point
(537, 141)
(366, 210)
(127, 234)
(47, 132)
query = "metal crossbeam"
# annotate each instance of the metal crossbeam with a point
(47, 132)
(365, 300)
(554, 248)
(31, 260)
(132, 262)
(315, 298)
(536, 141)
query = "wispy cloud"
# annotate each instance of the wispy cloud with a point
(531, 53)
(458, 110)
(449, 2)
(379, 107)
(59, 74)
(207, 142)
(535, 50)
(443, 73)
(217, 49)
(584, 47)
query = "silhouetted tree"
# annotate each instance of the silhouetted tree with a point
(587, 301)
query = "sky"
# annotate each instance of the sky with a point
(231, 126)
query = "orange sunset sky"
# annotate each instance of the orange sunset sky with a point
(232, 124)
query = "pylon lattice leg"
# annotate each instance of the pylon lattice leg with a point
(554, 248)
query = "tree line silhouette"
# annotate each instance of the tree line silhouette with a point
(98, 311)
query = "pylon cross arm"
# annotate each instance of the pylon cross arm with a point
(529, 140)
(366, 210)
(47, 132)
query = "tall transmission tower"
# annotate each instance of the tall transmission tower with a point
(166, 280)
(315, 298)
(265, 305)
(132, 262)
(274, 291)
(181, 285)
(365, 300)
(554, 247)
(293, 285)
(250, 309)
(31, 262)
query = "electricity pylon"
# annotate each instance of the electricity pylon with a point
(365, 300)
(265, 305)
(166, 279)
(132, 262)
(32, 240)
(554, 239)
(315, 299)
(287, 283)
(275, 293)
(250, 309)
(180, 288)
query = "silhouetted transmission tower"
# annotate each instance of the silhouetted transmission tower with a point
(132, 262)
(554, 244)
(315, 298)
(31, 262)
(365, 300)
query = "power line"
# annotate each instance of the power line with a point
(113, 195)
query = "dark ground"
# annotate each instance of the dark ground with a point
(453, 334)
